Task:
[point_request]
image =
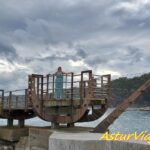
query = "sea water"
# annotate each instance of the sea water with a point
(128, 122)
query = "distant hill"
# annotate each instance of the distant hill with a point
(124, 86)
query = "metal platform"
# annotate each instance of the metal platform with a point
(81, 93)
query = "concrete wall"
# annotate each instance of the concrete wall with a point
(89, 141)
(38, 138)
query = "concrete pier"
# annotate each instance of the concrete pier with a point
(13, 134)
(38, 138)
(90, 141)
(10, 122)
(73, 138)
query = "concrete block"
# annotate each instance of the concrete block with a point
(13, 133)
(23, 144)
(38, 138)
(90, 141)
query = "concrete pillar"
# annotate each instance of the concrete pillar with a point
(70, 125)
(54, 125)
(10, 122)
(21, 123)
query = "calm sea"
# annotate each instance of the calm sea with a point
(128, 122)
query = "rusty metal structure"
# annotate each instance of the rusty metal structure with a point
(13, 106)
(85, 97)
(80, 92)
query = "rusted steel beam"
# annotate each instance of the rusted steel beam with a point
(1, 101)
(10, 100)
(26, 100)
(103, 126)
(47, 88)
(16, 102)
(72, 103)
(38, 87)
(85, 99)
(81, 89)
(109, 91)
(41, 100)
(84, 87)
(53, 85)
(37, 75)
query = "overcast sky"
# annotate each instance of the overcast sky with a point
(107, 36)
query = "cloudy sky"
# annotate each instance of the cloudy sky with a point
(106, 36)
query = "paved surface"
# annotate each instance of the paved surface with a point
(89, 141)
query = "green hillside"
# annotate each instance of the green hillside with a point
(124, 86)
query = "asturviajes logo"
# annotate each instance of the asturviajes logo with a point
(142, 136)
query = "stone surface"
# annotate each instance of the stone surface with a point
(23, 144)
(38, 138)
(5, 145)
(89, 141)
(13, 133)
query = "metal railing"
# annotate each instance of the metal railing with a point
(13, 100)
(72, 86)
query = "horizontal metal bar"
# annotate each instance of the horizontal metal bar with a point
(15, 90)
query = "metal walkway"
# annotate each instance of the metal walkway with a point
(85, 98)
(81, 93)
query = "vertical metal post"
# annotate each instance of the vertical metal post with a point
(7, 102)
(101, 81)
(29, 89)
(21, 123)
(10, 122)
(72, 91)
(16, 102)
(41, 101)
(2, 98)
(47, 95)
(84, 85)
(2, 101)
(53, 84)
(102, 86)
(38, 87)
(72, 94)
(90, 83)
(109, 90)
(26, 99)
(81, 89)
(10, 100)
(65, 91)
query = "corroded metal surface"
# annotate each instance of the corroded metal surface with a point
(12, 105)
(81, 92)
(86, 90)
(85, 97)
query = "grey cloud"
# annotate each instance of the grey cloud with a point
(131, 56)
(132, 19)
(81, 53)
(55, 57)
(14, 80)
(7, 51)
(96, 32)
(135, 53)
(96, 60)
